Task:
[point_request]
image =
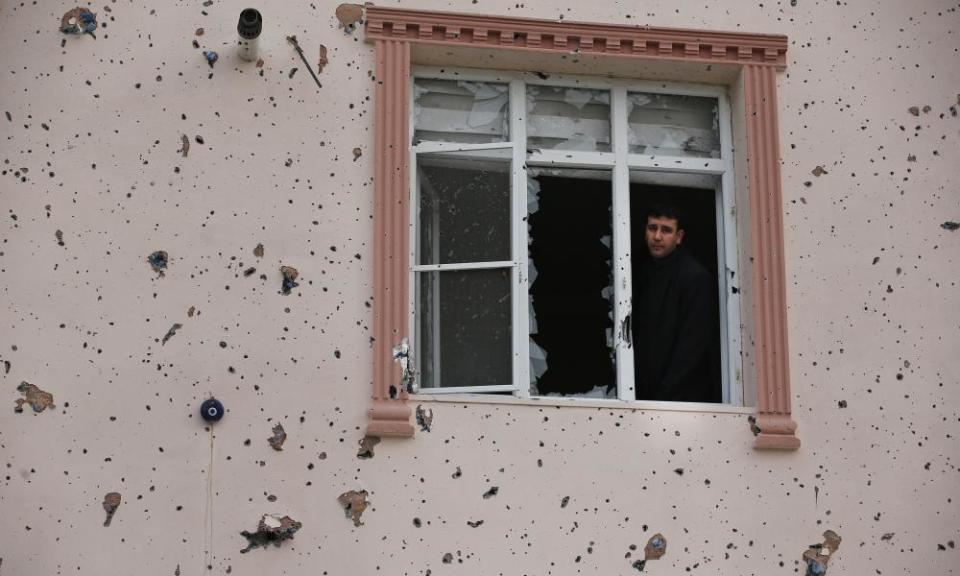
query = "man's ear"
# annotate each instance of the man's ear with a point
(679, 236)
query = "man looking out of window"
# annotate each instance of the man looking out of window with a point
(675, 327)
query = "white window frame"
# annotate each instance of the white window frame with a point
(696, 172)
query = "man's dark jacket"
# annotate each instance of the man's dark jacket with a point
(676, 331)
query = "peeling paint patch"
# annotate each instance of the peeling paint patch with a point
(272, 529)
(289, 279)
(279, 437)
(818, 555)
(171, 332)
(349, 15)
(159, 261)
(79, 21)
(184, 145)
(110, 504)
(951, 226)
(354, 503)
(366, 447)
(654, 550)
(493, 491)
(424, 418)
(322, 61)
(38, 399)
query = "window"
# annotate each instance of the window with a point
(745, 63)
(528, 207)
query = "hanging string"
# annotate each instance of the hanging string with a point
(208, 513)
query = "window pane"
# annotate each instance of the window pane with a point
(571, 283)
(673, 125)
(568, 118)
(460, 111)
(464, 213)
(465, 334)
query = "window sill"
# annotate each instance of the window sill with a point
(698, 407)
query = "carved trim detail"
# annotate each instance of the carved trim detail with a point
(551, 36)
(777, 430)
(390, 415)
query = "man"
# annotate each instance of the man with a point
(675, 327)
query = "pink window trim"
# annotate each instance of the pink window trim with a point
(760, 56)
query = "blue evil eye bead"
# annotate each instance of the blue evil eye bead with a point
(211, 410)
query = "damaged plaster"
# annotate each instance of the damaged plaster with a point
(278, 438)
(424, 418)
(366, 447)
(171, 333)
(349, 15)
(158, 260)
(79, 21)
(290, 275)
(272, 529)
(354, 503)
(654, 550)
(38, 399)
(110, 504)
(818, 555)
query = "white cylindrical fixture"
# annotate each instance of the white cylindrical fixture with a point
(249, 30)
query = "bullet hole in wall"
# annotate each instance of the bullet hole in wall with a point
(272, 529)
(279, 437)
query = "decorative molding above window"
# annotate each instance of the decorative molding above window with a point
(565, 37)
(758, 56)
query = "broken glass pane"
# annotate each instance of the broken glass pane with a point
(465, 333)
(460, 111)
(571, 283)
(464, 211)
(673, 125)
(568, 118)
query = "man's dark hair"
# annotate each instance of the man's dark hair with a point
(661, 210)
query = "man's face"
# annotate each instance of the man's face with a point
(662, 236)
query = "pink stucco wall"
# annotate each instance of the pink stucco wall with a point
(90, 147)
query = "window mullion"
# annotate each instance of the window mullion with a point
(621, 264)
(729, 301)
(520, 290)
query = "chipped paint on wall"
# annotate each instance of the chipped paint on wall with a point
(367, 444)
(272, 529)
(818, 555)
(278, 438)
(38, 399)
(424, 418)
(354, 503)
(110, 504)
